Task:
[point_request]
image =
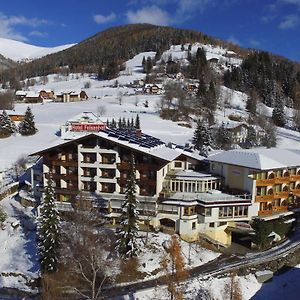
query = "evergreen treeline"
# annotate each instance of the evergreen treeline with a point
(273, 79)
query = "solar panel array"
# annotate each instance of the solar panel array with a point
(133, 137)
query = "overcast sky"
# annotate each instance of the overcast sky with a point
(272, 25)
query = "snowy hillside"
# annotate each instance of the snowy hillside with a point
(19, 51)
(50, 116)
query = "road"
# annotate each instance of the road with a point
(222, 264)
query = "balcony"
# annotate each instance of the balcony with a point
(64, 163)
(280, 180)
(124, 165)
(65, 176)
(68, 191)
(295, 191)
(277, 209)
(267, 212)
(146, 167)
(107, 165)
(283, 194)
(265, 182)
(294, 177)
(264, 198)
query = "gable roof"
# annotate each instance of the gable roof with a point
(158, 150)
(260, 158)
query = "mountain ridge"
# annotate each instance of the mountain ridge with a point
(20, 51)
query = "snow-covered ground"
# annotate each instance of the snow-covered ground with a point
(50, 116)
(18, 252)
(149, 261)
(283, 286)
(19, 51)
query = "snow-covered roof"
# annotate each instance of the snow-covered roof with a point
(32, 94)
(192, 175)
(207, 199)
(154, 147)
(260, 158)
(86, 115)
(21, 93)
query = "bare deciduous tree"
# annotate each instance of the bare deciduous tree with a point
(101, 110)
(173, 264)
(89, 255)
(7, 100)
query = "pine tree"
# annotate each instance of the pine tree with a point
(270, 136)
(149, 65)
(120, 123)
(137, 124)
(6, 124)
(202, 138)
(132, 123)
(127, 244)
(223, 138)
(49, 231)
(251, 138)
(27, 126)
(278, 115)
(144, 64)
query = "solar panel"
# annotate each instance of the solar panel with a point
(130, 135)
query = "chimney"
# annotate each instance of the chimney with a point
(138, 133)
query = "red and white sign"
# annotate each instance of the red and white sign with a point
(88, 127)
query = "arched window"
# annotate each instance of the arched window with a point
(271, 176)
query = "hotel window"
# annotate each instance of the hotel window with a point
(194, 225)
(261, 191)
(178, 164)
(222, 223)
(225, 212)
(207, 212)
(240, 211)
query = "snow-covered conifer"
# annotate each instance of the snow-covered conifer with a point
(127, 244)
(6, 124)
(27, 126)
(137, 122)
(202, 138)
(223, 138)
(49, 230)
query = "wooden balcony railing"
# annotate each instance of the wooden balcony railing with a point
(264, 198)
(295, 191)
(124, 165)
(65, 176)
(279, 180)
(265, 182)
(146, 167)
(279, 209)
(294, 177)
(267, 212)
(283, 194)
(65, 163)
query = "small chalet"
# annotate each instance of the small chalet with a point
(47, 94)
(239, 132)
(155, 89)
(72, 96)
(20, 95)
(214, 60)
(33, 97)
(192, 87)
(15, 116)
